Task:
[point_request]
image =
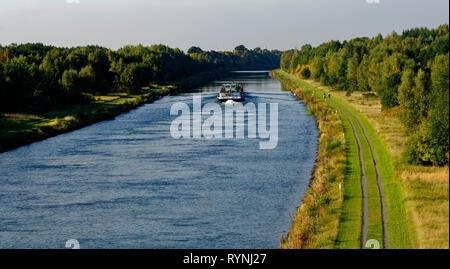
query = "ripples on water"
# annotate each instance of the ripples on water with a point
(127, 183)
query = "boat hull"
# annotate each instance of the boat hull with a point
(231, 92)
(231, 98)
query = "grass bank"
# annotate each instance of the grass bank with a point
(424, 189)
(349, 216)
(417, 197)
(316, 222)
(398, 229)
(19, 129)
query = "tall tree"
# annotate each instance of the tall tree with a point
(408, 101)
(438, 125)
(353, 73)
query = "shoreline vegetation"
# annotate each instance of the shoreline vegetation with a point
(346, 218)
(396, 89)
(417, 196)
(20, 129)
(408, 72)
(316, 222)
(47, 90)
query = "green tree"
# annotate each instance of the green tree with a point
(194, 50)
(423, 94)
(240, 48)
(438, 122)
(363, 74)
(390, 74)
(100, 63)
(19, 82)
(317, 69)
(70, 82)
(408, 101)
(87, 79)
(285, 60)
(353, 73)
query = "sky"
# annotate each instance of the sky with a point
(210, 24)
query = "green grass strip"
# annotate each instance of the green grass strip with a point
(349, 235)
(399, 236)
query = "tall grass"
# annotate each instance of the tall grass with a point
(315, 224)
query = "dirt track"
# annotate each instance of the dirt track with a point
(364, 225)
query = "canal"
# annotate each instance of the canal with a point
(127, 183)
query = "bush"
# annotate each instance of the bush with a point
(331, 178)
(410, 153)
(306, 73)
(333, 144)
(322, 200)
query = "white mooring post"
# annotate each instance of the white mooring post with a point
(340, 192)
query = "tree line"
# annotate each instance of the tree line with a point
(409, 73)
(37, 78)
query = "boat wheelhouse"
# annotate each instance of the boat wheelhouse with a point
(231, 92)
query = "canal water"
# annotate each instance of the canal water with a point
(127, 183)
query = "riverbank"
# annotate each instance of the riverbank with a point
(416, 197)
(19, 129)
(372, 197)
(424, 189)
(316, 222)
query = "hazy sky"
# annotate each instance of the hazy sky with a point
(210, 24)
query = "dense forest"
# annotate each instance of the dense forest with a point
(36, 77)
(409, 73)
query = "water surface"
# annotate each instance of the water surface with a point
(126, 183)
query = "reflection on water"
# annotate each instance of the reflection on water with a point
(127, 183)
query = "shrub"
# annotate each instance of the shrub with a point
(306, 73)
(331, 178)
(322, 200)
(333, 144)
